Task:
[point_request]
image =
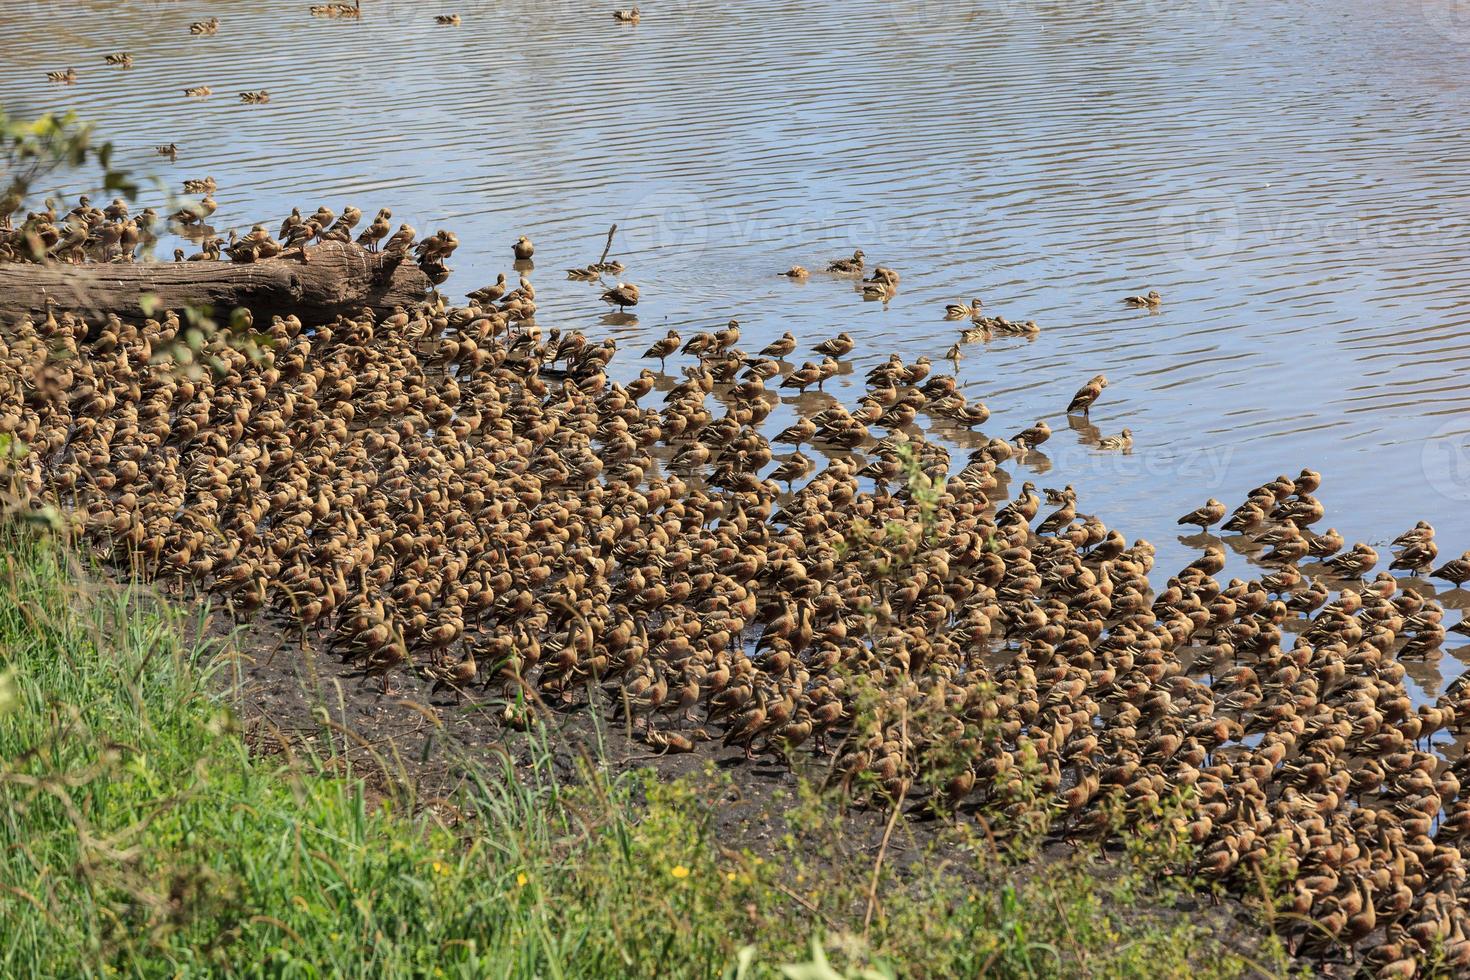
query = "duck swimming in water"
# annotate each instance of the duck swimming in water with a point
(964, 311)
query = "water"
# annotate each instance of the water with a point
(1289, 176)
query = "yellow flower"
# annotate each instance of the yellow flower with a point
(521, 880)
(679, 871)
(729, 876)
(441, 868)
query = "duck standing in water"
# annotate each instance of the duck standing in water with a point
(780, 347)
(1087, 394)
(1205, 517)
(623, 295)
(1033, 436)
(1456, 571)
(663, 347)
(523, 249)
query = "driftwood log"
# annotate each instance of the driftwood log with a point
(336, 278)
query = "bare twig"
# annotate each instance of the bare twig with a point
(888, 830)
(608, 247)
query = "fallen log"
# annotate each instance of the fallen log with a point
(336, 278)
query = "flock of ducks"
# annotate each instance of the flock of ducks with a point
(451, 492)
(85, 231)
(124, 59)
(115, 234)
(335, 10)
(448, 491)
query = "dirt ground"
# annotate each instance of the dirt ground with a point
(426, 743)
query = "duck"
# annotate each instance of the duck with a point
(1013, 328)
(630, 15)
(975, 333)
(803, 377)
(781, 347)
(839, 346)
(456, 676)
(623, 295)
(1033, 436)
(204, 27)
(1149, 300)
(1416, 558)
(880, 291)
(964, 311)
(378, 230)
(665, 346)
(1326, 544)
(799, 432)
(795, 272)
(523, 249)
(796, 467)
(1211, 562)
(447, 20)
(1122, 441)
(191, 214)
(401, 240)
(255, 97)
(66, 77)
(1456, 571)
(1087, 395)
(1354, 563)
(1421, 532)
(121, 59)
(728, 337)
(1206, 516)
(847, 266)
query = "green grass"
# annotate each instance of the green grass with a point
(140, 836)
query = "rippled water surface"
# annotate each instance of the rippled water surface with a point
(1291, 176)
